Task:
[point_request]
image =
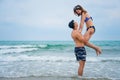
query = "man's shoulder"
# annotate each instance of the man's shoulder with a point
(75, 32)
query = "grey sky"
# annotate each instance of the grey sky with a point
(48, 20)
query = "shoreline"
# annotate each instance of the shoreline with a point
(52, 78)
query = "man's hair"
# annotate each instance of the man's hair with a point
(71, 24)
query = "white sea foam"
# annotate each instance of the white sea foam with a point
(103, 59)
(48, 58)
(38, 58)
(93, 59)
(18, 50)
(42, 46)
(15, 46)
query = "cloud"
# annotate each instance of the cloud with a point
(51, 17)
(30, 13)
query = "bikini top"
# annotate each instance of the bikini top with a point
(87, 18)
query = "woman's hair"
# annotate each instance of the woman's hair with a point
(79, 7)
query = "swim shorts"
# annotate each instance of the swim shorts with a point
(91, 27)
(80, 53)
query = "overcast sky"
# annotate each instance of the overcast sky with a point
(48, 19)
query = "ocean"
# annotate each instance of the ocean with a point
(20, 59)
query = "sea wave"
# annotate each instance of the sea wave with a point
(36, 46)
(22, 46)
(36, 58)
(25, 48)
(55, 58)
(103, 59)
(19, 50)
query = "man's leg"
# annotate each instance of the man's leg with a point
(81, 67)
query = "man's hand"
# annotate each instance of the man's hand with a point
(80, 30)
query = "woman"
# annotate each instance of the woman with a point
(85, 18)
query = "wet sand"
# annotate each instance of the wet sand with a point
(53, 78)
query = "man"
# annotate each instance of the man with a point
(80, 51)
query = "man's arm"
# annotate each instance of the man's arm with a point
(82, 22)
(81, 38)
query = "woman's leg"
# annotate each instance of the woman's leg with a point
(81, 67)
(88, 34)
(87, 37)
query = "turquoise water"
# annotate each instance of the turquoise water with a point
(56, 58)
